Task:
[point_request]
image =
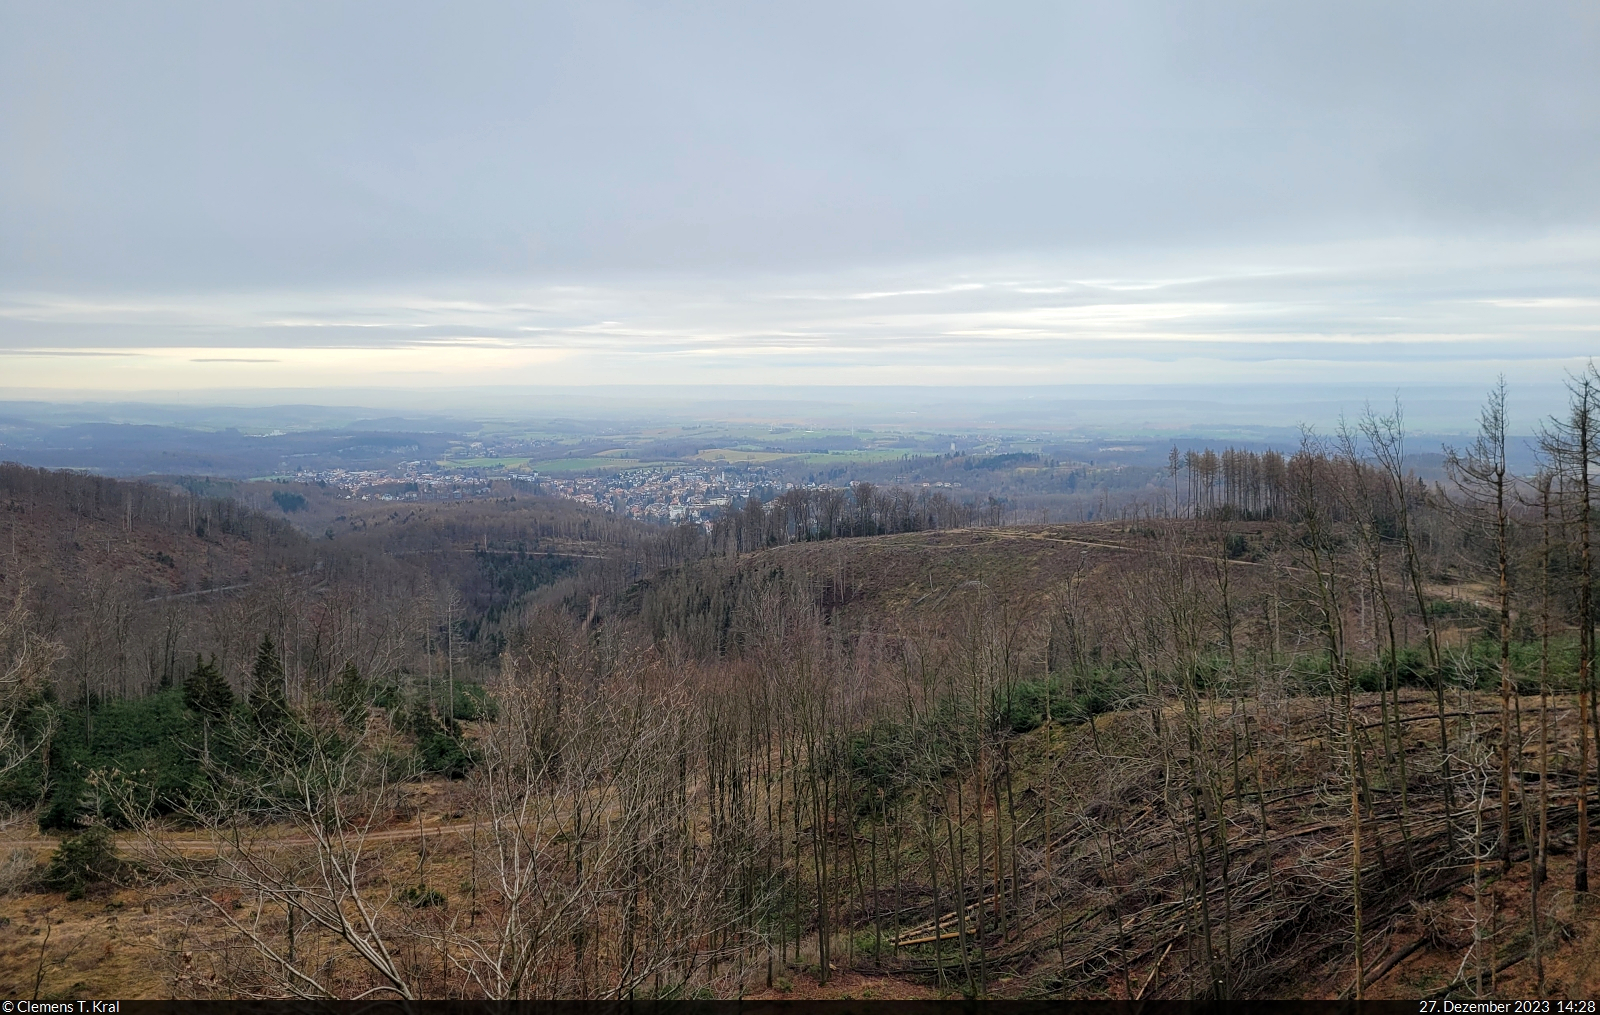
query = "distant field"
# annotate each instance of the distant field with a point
(733, 455)
(486, 463)
(584, 464)
(810, 457)
(873, 455)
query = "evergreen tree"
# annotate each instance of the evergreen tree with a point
(440, 748)
(267, 700)
(206, 692)
(352, 696)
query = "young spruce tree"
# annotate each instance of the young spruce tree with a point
(268, 703)
(352, 696)
(206, 692)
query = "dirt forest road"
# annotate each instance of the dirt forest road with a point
(191, 843)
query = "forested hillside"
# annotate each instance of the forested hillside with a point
(119, 593)
(1313, 727)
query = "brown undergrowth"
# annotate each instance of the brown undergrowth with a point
(1104, 903)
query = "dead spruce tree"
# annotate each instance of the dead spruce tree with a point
(26, 659)
(1482, 481)
(1568, 444)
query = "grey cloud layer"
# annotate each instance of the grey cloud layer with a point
(818, 191)
(204, 145)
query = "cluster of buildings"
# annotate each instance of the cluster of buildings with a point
(663, 494)
(410, 481)
(349, 480)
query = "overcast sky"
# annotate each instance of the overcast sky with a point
(211, 197)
